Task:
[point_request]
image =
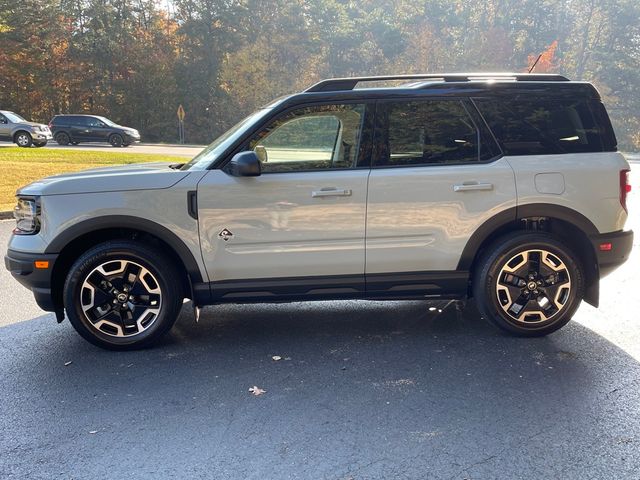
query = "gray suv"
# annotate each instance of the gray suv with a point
(14, 128)
(503, 187)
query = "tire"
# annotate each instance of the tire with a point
(543, 275)
(126, 144)
(136, 289)
(116, 140)
(42, 144)
(23, 139)
(62, 138)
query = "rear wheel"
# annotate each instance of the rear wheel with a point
(123, 295)
(62, 138)
(529, 284)
(116, 140)
(23, 139)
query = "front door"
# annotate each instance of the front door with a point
(437, 176)
(5, 128)
(303, 218)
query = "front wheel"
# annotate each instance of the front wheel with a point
(23, 139)
(528, 284)
(123, 295)
(116, 140)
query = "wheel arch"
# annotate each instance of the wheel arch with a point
(17, 132)
(71, 243)
(572, 227)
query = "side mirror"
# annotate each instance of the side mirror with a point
(245, 164)
(261, 151)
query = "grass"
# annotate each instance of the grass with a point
(21, 166)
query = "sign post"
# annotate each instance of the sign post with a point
(181, 114)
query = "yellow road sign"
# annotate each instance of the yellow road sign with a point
(180, 113)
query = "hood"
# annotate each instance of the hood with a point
(139, 176)
(30, 124)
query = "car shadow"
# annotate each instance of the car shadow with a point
(360, 389)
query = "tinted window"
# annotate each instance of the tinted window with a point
(427, 132)
(311, 138)
(542, 126)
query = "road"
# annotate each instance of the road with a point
(364, 390)
(187, 151)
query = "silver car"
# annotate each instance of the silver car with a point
(14, 128)
(507, 188)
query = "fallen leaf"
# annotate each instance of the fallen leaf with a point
(256, 391)
(66, 364)
(276, 358)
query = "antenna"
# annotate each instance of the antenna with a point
(535, 63)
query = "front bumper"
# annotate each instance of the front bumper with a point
(128, 138)
(41, 136)
(23, 268)
(612, 250)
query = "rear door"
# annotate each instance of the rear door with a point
(437, 176)
(303, 219)
(79, 128)
(5, 128)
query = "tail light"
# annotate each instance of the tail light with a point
(50, 124)
(625, 188)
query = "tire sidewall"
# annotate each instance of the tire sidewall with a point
(164, 272)
(500, 253)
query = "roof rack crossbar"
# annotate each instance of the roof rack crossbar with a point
(334, 84)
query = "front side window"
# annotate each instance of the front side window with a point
(311, 138)
(426, 133)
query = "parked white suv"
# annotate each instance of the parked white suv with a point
(504, 187)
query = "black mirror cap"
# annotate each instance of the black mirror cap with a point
(245, 164)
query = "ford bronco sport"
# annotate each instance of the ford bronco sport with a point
(504, 187)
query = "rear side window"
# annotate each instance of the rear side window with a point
(429, 132)
(526, 126)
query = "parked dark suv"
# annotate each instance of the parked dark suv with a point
(73, 129)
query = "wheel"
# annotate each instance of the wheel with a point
(75, 143)
(41, 144)
(62, 138)
(23, 139)
(528, 284)
(123, 295)
(116, 140)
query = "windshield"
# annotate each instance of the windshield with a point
(107, 121)
(13, 117)
(210, 154)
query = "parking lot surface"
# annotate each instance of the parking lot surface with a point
(363, 390)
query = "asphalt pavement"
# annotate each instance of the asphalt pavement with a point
(363, 390)
(186, 151)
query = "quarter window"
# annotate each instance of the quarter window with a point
(311, 138)
(525, 126)
(427, 132)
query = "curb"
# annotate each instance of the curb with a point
(6, 215)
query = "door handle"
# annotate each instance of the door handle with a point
(331, 192)
(466, 187)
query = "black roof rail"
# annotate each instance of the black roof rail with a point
(334, 84)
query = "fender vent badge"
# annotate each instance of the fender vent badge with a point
(225, 235)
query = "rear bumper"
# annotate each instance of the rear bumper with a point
(38, 280)
(612, 250)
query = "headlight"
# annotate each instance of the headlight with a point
(38, 128)
(27, 215)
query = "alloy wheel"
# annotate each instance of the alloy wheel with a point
(533, 286)
(121, 298)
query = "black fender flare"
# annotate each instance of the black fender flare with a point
(133, 223)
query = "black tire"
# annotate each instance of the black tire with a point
(23, 139)
(42, 144)
(116, 140)
(62, 138)
(107, 327)
(557, 284)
